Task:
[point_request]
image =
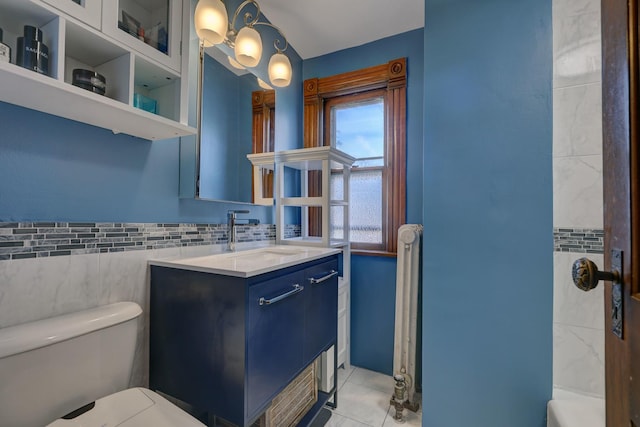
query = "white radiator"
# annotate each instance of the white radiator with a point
(407, 282)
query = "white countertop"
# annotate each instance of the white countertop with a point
(248, 263)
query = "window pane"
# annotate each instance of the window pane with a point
(358, 128)
(365, 207)
(337, 186)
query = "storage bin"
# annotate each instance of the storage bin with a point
(144, 103)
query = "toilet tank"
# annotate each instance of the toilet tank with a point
(51, 367)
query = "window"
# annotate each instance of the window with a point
(355, 125)
(363, 113)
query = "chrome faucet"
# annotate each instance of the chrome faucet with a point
(232, 221)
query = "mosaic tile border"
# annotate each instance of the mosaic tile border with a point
(579, 240)
(20, 240)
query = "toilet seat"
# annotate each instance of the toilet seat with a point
(134, 407)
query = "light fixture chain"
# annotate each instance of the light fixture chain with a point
(249, 20)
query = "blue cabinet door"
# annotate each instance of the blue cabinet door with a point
(275, 330)
(321, 308)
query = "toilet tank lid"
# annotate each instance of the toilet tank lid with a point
(137, 407)
(30, 336)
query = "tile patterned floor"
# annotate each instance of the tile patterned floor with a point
(363, 400)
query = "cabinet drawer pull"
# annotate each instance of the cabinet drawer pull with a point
(296, 288)
(322, 279)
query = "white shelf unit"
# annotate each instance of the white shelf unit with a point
(261, 162)
(344, 319)
(74, 43)
(333, 200)
(292, 170)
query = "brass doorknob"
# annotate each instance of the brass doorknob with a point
(586, 275)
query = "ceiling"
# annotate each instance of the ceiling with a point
(318, 27)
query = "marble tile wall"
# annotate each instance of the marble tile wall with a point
(578, 323)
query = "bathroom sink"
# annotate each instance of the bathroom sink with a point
(281, 251)
(249, 262)
(267, 252)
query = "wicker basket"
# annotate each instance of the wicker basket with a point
(288, 407)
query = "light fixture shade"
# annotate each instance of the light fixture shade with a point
(211, 21)
(280, 70)
(263, 84)
(248, 48)
(235, 64)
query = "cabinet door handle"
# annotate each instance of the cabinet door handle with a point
(296, 288)
(323, 278)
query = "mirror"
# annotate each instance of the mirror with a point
(225, 173)
(229, 131)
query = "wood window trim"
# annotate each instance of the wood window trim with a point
(263, 104)
(263, 112)
(391, 76)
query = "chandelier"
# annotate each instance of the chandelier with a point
(213, 27)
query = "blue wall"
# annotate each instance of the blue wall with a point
(52, 169)
(227, 119)
(373, 278)
(487, 330)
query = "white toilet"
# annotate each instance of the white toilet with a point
(62, 365)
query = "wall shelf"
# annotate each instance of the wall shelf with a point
(77, 38)
(45, 94)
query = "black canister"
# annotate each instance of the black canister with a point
(5, 51)
(31, 52)
(89, 80)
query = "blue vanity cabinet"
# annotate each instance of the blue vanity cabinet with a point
(228, 345)
(322, 292)
(275, 331)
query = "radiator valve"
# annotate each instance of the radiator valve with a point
(399, 397)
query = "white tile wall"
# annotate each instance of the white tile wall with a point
(578, 362)
(72, 283)
(576, 132)
(578, 332)
(576, 42)
(571, 306)
(577, 191)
